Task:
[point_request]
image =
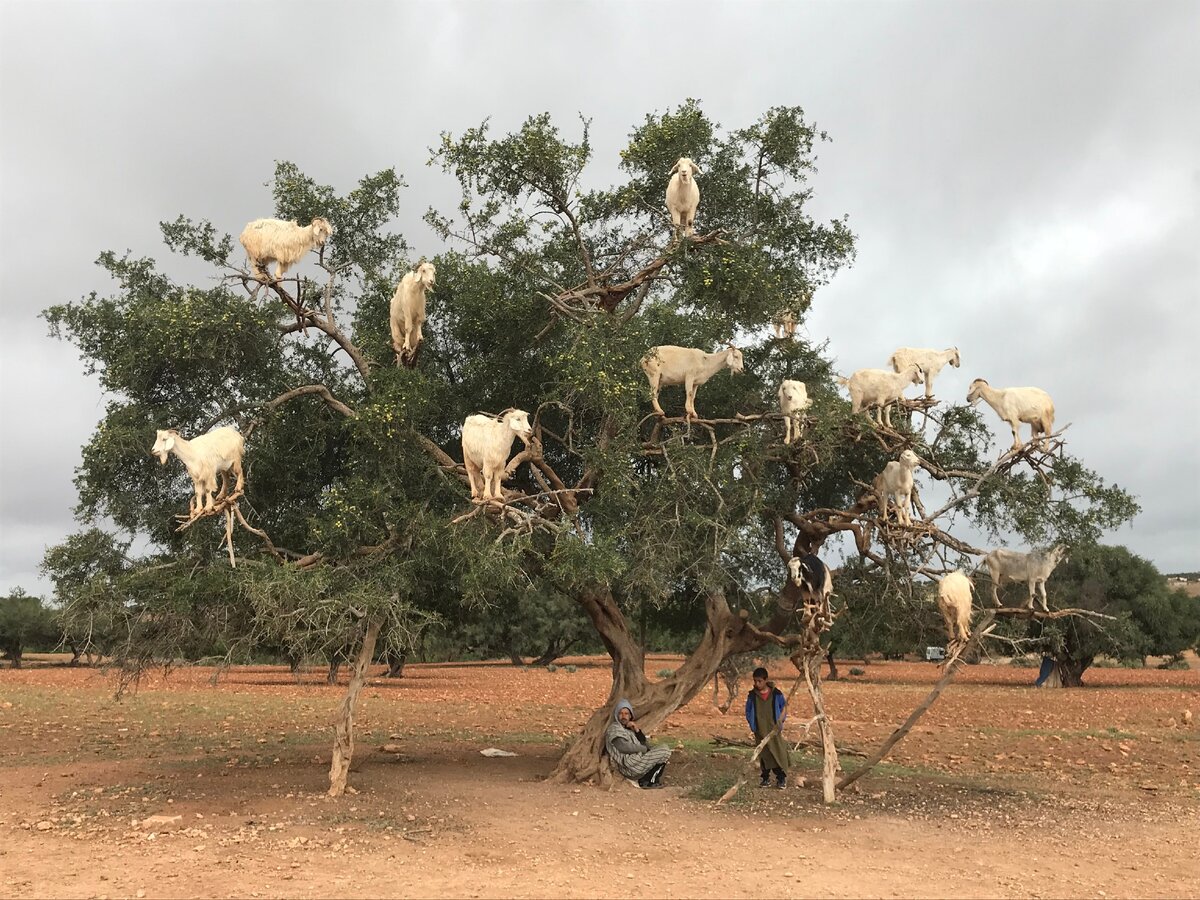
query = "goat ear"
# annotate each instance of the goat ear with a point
(674, 169)
(695, 169)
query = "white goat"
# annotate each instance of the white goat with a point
(954, 600)
(408, 310)
(283, 243)
(880, 388)
(1017, 405)
(896, 482)
(1033, 568)
(793, 401)
(930, 361)
(218, 452)
(668, 364)
(485, 445)
(785, 323)
(683, 195)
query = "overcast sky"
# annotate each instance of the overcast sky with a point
(1022, 178)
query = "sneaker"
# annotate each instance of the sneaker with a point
(765, 781)
(781, 783)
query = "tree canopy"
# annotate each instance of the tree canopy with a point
(550, 291)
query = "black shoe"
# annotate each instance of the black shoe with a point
(765, 781)
(781, 783)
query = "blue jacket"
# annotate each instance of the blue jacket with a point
(780, 703)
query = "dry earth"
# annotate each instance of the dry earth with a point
(1002, 790)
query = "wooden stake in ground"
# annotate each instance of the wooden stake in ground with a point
(951, 669)
(812, 678)
(343, 724)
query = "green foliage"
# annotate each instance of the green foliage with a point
(1151, 618)
(25, 623)
(550, 291)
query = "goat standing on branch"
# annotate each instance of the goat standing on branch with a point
(880, 388)
(793, 401)
(785, 324)
(283, 243)
(813, 578)
(683, 195)
(485, 445)
(408, 311)
(218, 452)
(930, 362)
(668, 364)
(1017, 405)
(896, 482)
(1033, 568)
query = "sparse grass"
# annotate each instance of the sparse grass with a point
(713, 787)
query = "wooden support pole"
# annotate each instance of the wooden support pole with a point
(343, 724)
(951, 669)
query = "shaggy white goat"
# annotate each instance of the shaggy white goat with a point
(785, 323)
(896, 482)
(283, 243)
(880, 388)
(683, 195)
(485, 445)
(1033, 568)
(668, 364)
(930, 361)
(218, 452)
(408, 310)
(954, 600)
(793, 401)
(1017, 405)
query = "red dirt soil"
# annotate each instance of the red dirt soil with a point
(1001, 790)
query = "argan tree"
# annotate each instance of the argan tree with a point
(551, 289)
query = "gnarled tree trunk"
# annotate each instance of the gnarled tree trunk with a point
(652, 701)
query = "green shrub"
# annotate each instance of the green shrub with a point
(552, 668)
(665, 673)
(571, 669)
(857, 671)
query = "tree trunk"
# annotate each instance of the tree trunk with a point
(1068, 672)
(652, 701)
(395, 663)
(343, 726)
(833, 672)
(555, 647)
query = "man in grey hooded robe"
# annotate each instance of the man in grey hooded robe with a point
(630, 750)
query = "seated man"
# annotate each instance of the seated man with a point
(630, 751)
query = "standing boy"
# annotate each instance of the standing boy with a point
(766, 705)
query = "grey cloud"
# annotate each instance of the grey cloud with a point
(980, 150)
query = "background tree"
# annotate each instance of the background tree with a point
(550, 291)
(1152, 619)
(25, 623)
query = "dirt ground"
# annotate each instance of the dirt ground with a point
(1001, 790)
